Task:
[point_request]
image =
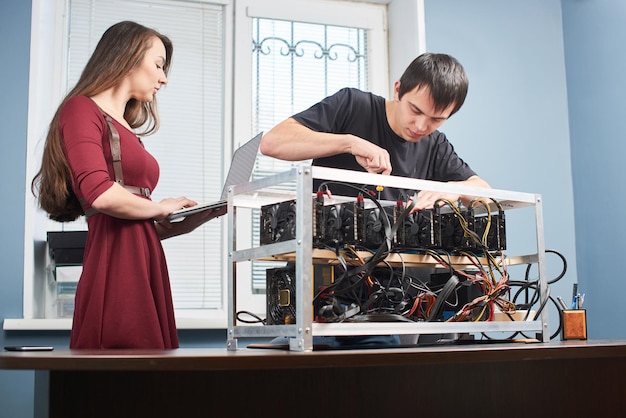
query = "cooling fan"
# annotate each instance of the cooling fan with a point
(448, 232)
(335, 223)
(417, 230)
(278, 222)
(373, 227)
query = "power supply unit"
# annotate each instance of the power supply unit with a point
(281, 295)
(281, 292)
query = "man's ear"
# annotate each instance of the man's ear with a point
(396, 91)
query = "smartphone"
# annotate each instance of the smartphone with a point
(29, 348)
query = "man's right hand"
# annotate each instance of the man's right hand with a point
(292, 141)
(371, 157)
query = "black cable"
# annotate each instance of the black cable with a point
(257, 319)
(383, 295)
(445, 292)
(531, 287)
(559, 276)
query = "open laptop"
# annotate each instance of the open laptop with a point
(239, 172)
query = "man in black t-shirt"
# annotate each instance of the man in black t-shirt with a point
(360, 131)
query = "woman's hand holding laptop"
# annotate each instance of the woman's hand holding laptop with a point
(190, 222)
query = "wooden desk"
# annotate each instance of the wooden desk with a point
(557, 379)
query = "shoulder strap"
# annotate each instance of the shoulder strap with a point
(116, 155)
(116, 151)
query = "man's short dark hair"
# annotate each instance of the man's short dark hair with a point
(442, 74)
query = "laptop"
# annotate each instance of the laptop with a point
(239, 172)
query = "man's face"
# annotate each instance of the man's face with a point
(415, 116)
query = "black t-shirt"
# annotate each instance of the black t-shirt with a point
(363, 114)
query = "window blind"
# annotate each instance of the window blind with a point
(189, 145)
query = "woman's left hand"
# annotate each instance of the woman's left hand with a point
(167, 229)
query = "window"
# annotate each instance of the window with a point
(295, 64)
(191, 145)
(297, 57)
(206, 110)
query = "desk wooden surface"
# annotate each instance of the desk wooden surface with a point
(571, 378)
(250, 359)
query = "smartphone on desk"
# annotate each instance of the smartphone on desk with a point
(29, 348)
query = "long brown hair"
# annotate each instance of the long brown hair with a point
(121, 48)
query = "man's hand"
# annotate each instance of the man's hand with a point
(371, 157)
(426, 199)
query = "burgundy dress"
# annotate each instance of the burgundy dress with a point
(123, 299)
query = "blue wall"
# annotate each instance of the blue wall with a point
(14, 44)
(513, 128)
(594, 33)
(525, 59)
(14, 47)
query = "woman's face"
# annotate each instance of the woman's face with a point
(147, 78)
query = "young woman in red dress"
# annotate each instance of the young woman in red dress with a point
(123, 298)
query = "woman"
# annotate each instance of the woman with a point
(123, 298)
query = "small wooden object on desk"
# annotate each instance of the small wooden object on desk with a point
(574, 324)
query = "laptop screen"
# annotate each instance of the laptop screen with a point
(242, 164)
(240, 170)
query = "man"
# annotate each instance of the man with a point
(360, 131)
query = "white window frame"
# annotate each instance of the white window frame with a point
(406, 40)
(339, 13)
(48, 58)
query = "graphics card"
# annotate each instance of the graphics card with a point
(495, 228)
(335, 223)
(417, 229)
(448, 231)
(278, 222)
(374, 225)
